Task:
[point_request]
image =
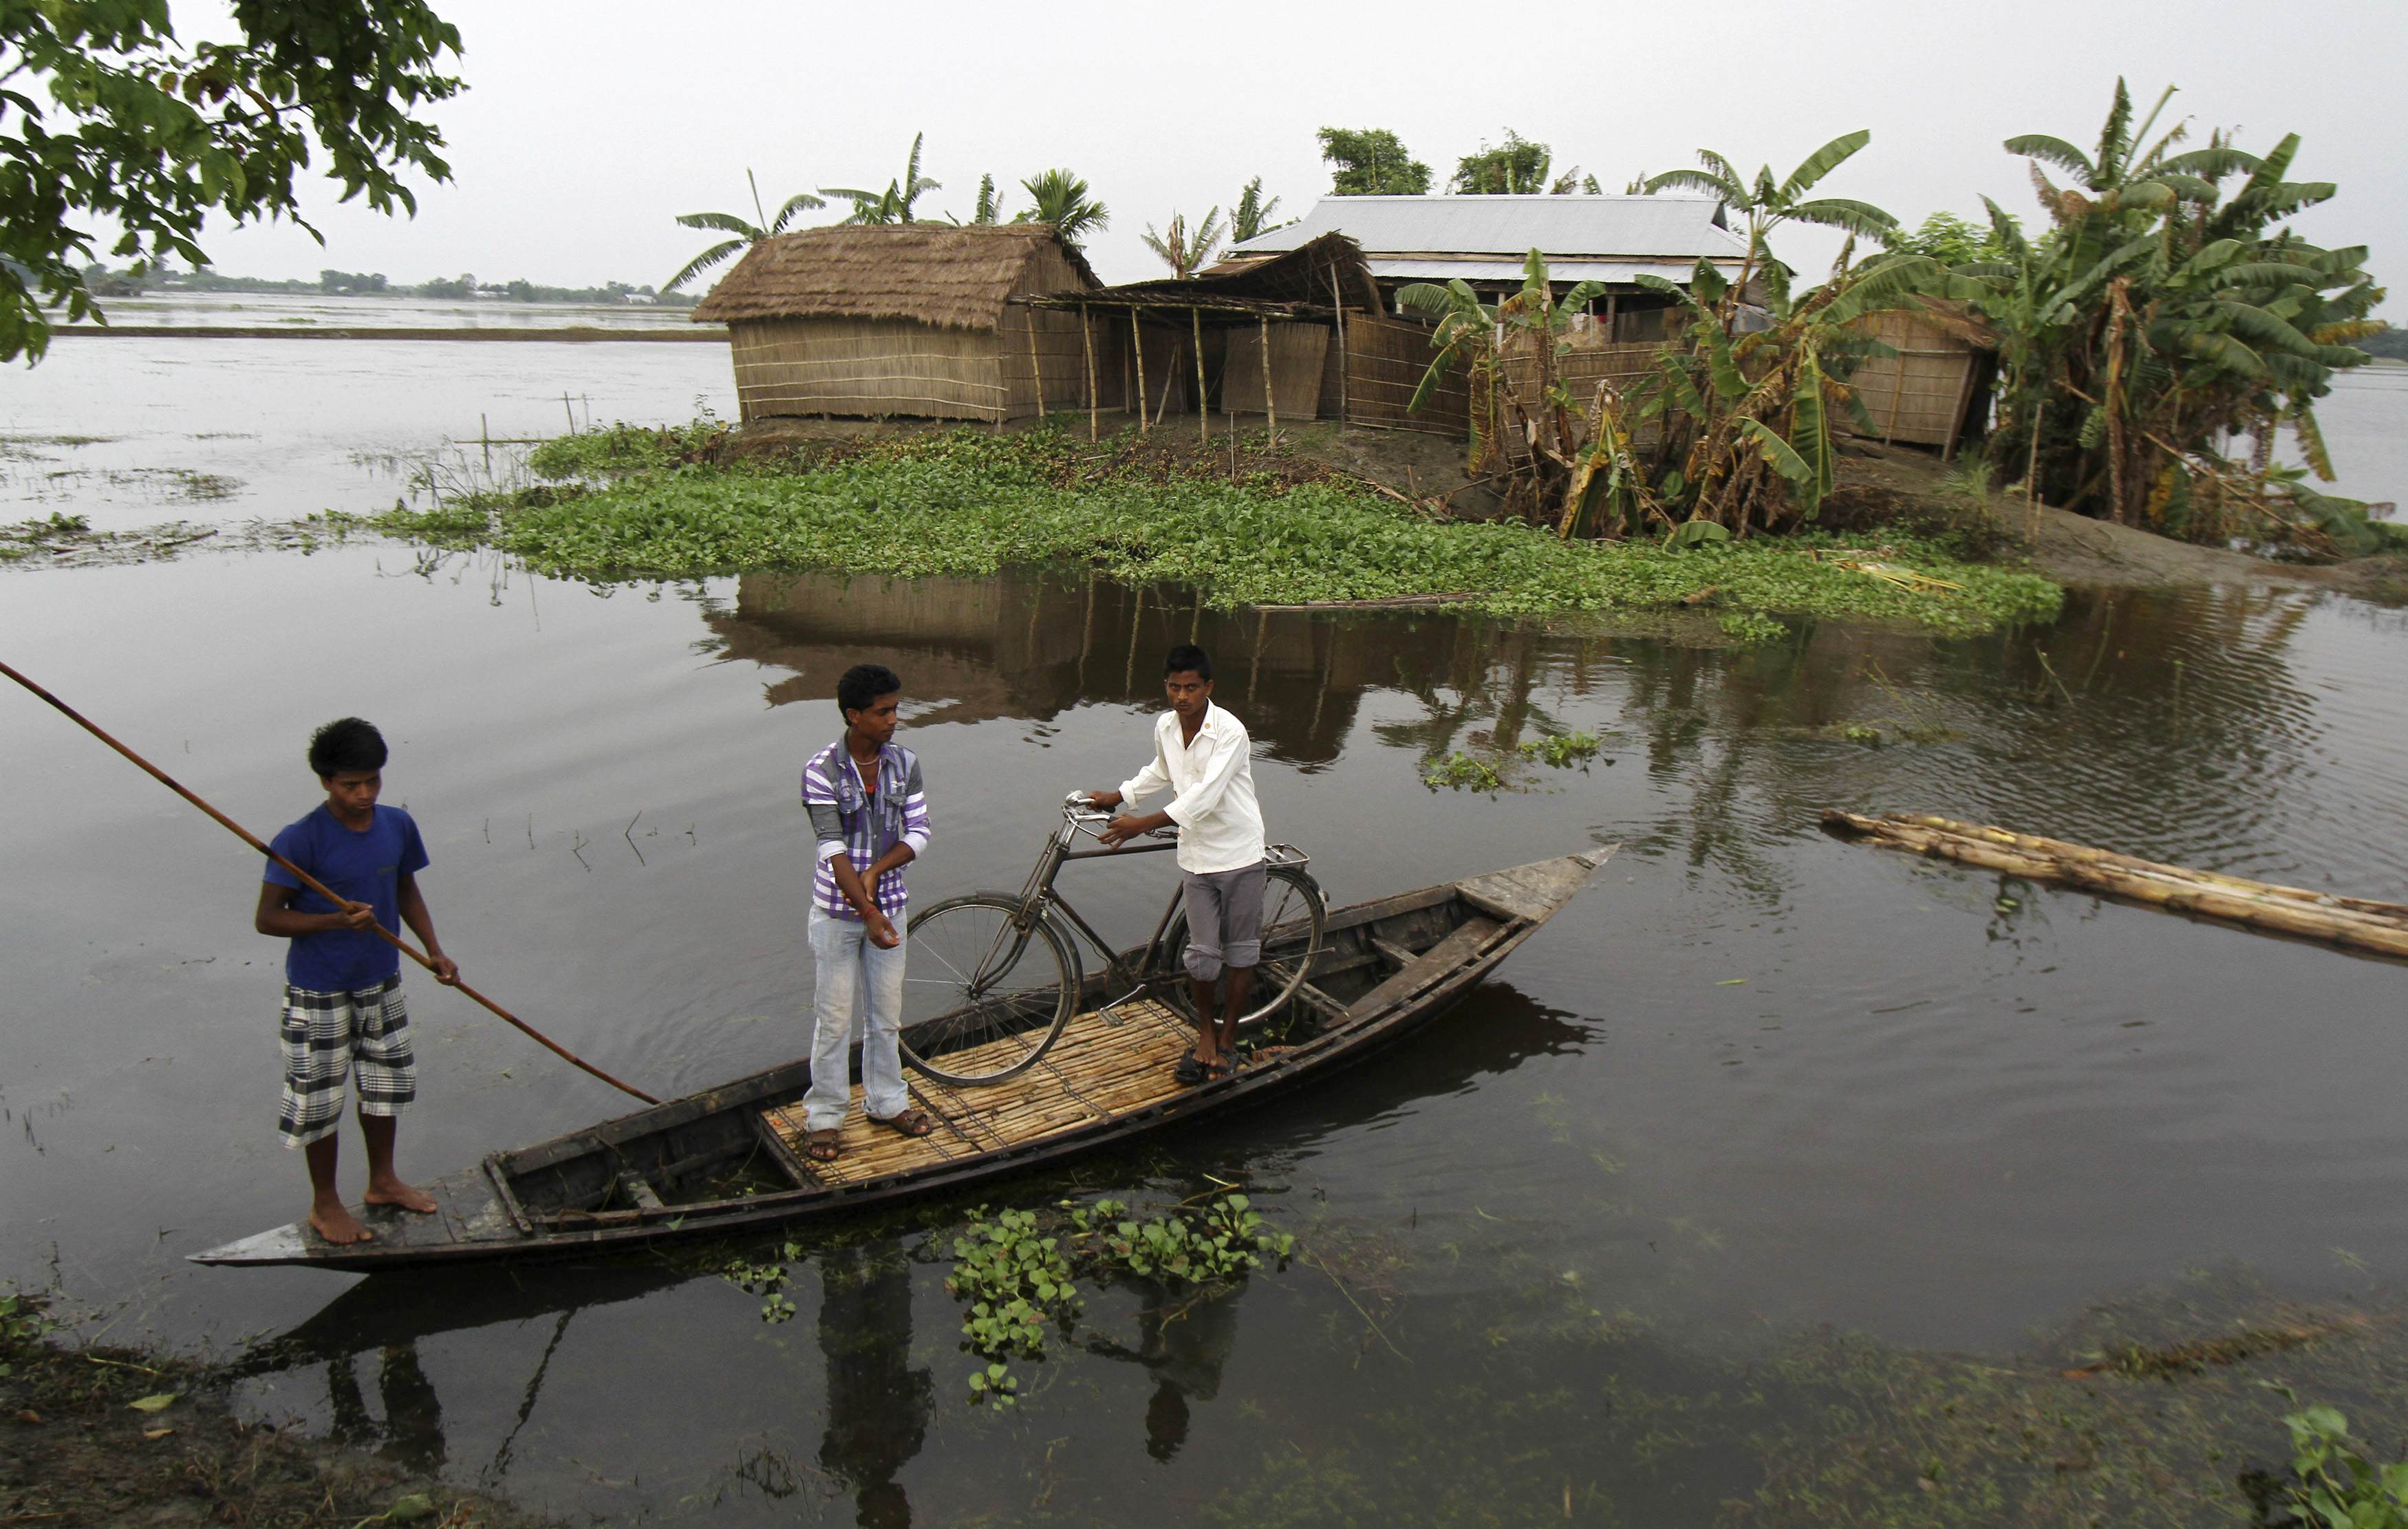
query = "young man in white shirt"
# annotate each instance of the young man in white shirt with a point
(1202, 754)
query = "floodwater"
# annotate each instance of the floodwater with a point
(1755, 1084)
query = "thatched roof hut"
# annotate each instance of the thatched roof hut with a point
(903, 318)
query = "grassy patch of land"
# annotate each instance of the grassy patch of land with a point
(109, 1435)
(628, 503)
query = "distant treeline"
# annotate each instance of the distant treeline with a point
(132, 282)
(2390, 343)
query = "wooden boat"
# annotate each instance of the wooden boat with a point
(724, 1160)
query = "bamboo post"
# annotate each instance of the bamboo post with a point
(1203, 415)
(1088, 342)
(1956, 415)
(1270, 405)
(1897, 399)
(1338, 306)
(1137, 338)
(1036, 368)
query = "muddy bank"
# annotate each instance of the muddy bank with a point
(105, 1436)
(1893, 484)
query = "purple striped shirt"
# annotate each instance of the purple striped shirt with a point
(862, 824)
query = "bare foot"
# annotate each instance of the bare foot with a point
(330, 1219)
(393, 1192)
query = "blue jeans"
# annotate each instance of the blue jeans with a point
(851, 969)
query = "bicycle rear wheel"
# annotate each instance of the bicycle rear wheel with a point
(986, 989)
(1292, 916)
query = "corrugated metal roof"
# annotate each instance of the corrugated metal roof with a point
(1643, 227)
(1615, 272)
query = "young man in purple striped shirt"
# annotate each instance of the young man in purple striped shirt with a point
(871, 813)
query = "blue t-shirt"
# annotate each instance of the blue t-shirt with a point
(365, 866)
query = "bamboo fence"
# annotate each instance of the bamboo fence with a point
(1920, 395)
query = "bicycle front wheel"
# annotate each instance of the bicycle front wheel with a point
(1292, 915)
(986, 989)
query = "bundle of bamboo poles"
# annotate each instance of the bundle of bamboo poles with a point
(2352, 922)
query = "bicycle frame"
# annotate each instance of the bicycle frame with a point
(1039, 900)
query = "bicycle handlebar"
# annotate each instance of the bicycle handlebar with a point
(1079, 811)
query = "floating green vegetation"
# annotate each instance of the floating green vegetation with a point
(28, 448)
(1563, 751)
(2332, 1481)
(69, 541)
(1459, 771)
(1018, 1271)
(634, 503)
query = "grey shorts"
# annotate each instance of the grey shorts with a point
(1225, 920)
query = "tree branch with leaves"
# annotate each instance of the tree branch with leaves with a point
(106, 117)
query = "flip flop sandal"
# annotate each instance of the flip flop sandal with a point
(1189, 1071)
(915, 1124)
(823, 1146)
(1220, 1070)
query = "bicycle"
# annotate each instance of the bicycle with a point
(994, 976)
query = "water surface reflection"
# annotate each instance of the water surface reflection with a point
(1754, 1082)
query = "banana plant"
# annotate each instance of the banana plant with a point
(1485, 340)
(1181, 249)
(894, 204)
(2164, 312)
(747, 234)
(1767, 203)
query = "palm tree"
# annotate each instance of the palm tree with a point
(1179, 249)
(892, 204)
(1253, 213)
(1062, 200)
(747, 234)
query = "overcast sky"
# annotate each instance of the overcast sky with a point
(586, 128)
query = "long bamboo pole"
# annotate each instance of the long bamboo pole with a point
(1338, 306)
(1036, 368)
(315, 885)
(1203, 415)
(1137, 338)
(2353, 922)
(1271, 408)
(1087, 341)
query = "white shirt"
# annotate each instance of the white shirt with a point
(1212, 785)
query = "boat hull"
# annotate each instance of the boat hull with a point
(594, 1191)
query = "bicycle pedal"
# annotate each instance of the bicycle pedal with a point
(1111, 1013)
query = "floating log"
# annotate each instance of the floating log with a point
(2356, 923)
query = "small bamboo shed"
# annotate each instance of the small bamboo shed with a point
(904, 320)
(1296, 333)
(1936, 389)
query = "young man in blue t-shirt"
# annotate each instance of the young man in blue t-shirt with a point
(343, 1012)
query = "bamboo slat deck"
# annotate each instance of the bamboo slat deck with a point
(1096, 1069)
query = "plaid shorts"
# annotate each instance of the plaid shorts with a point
(327, 1035)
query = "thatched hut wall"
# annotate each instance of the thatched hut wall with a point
(1385, 360)
(911, 319)
(1299, 356)
(1924, 394)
